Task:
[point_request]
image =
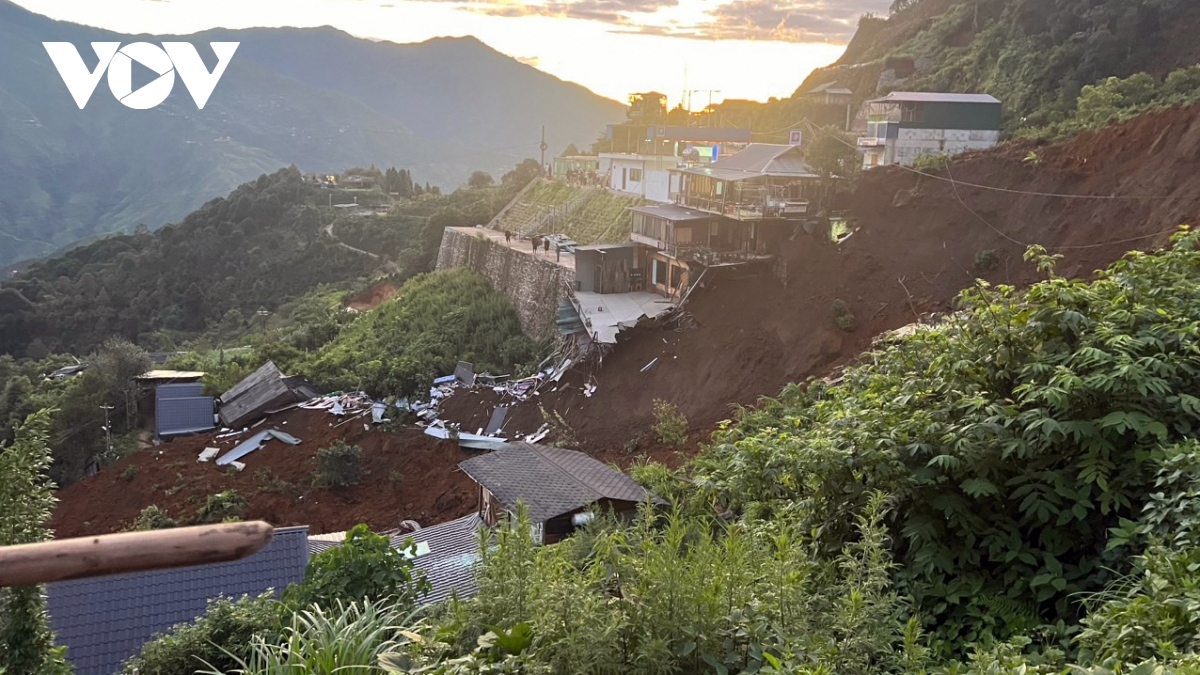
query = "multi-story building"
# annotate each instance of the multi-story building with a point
(904, 125)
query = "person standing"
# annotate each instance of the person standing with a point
(507, 237)
(535, 242)
(546, 246)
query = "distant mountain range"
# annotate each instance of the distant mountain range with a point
(317, 98)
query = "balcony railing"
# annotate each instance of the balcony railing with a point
(709, 256)
(746, 209)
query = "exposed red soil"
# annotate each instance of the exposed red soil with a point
(373, 297)
(915, 250)
(412, 477)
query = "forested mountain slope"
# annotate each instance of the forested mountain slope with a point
(68, 175)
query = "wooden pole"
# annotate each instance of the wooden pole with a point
(130, 552)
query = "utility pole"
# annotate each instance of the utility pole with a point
(107, 430)
(543, 148)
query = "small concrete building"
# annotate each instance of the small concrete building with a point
(904, 125)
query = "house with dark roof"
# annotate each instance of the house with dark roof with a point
(561, 489)
(904, 125)
(103, 621)
(830, 93)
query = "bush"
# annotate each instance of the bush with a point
(129, 473)
(339, 465)
(670, 425)
(931, 163)
(365, 566)
(222, 507)
(843, 317)
(986, 260)
(225, 625)
(153, 518)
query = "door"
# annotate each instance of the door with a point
(624, 177)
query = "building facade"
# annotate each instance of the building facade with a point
(903, 126)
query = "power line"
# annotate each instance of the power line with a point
(955, 183)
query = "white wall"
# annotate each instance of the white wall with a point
(912, 143)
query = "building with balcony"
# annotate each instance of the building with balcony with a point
(764, 182)
(643, 156)
(902, 126)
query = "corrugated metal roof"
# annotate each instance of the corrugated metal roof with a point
(675, 214)
(171, 375)
(104, 620)
(758, 160)
(934, 97)
(549, 481)
(447, 554)
(263, 390)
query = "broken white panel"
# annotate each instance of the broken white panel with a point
(237, 465)
(244, 448)
(609, 313)
(208, 454)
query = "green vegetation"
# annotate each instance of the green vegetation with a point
(339, 465)
(26, 500)
(399, 348)
(220, 637)
(1116, 100)
(366, 566)
(843, 317)
(222, 507)
(670, 425)
(1035, 57)
(153, 518)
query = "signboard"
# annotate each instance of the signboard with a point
(796, 137)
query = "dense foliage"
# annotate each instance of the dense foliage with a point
(1036, 55)
(1115, 100)
(1014, 435)
(399, 348)
(219, 637)
(365, 566)
(255, 249)
(26, 500)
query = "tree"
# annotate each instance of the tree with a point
(115, 368)
(521, 174)
(480, 179)
(834, 159)
(366, 566)
(26, 500)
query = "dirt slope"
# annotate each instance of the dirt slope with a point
(754, 335)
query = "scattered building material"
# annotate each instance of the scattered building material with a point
(208, 454)
(497, 421)
(254, 443)
(650, 365)
(607, 314)
(263, 390)
(465, 373)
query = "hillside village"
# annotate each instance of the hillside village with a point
(723, 400)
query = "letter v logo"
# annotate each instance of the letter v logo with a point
(79, 80)
(196, 78)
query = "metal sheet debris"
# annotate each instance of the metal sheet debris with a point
(208, 454)
(497, 421)
(650, 365)
(254, 443)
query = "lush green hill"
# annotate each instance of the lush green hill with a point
(255, 249)
(68, 175)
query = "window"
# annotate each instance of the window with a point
(635, 175)
(912, 112)
(660, 272)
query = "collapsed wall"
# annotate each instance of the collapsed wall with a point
(533, 285)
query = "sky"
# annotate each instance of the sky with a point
(716, 49)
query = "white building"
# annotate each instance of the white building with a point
(902, 126)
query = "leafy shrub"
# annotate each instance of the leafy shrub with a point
(153, 518)
(345, 637)
(365, 566)
(222, 507)
(931, 163)
(843, 317)
(220, 636)
(129, 473)
(1015, 434)
(986, 260)
(670, 425)
(339, 465)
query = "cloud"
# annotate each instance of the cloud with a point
(773, 20)
(605, 11)
(776, 20)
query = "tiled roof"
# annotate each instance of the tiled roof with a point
(447, 554)
(104, 620)
(549, 481)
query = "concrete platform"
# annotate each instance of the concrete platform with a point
(609, 313)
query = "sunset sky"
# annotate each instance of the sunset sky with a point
(751, 49)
